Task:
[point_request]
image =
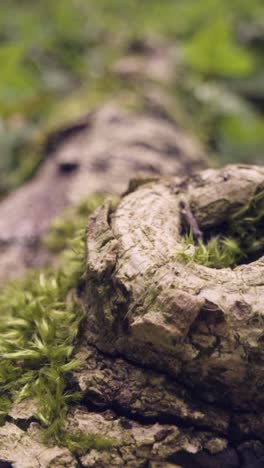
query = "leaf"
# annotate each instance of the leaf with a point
(213, 51)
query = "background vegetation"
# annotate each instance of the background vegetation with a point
(57, 61)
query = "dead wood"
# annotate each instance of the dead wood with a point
(180, 343)
(98, 153)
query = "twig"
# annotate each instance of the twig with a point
(190, 220)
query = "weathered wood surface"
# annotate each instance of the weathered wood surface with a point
(98, 153)
(202, 325)
(151, 419)
(171, 355)
(180, 344)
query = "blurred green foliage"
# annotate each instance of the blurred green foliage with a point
(57, 56)
(213, 52)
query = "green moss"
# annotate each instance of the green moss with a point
(73, 220)
(242, 240)
(39, 327)
(247, 226)
(79, 443)
(217, 253)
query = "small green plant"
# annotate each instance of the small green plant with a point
(212, 51)
(79, 443)
(243, 240)
(73, 220)
(39, 326)
(217, 253)
(247, 224)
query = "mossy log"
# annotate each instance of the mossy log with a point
(171, 354)
(96, 154)
(184, 341)
(149, 418)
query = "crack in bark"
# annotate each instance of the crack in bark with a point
(103, 375)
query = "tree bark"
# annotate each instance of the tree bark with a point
(99, 153)
(171, 353)
(180, 344)
(151, 419)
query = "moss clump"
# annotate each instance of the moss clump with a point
(39, 326)
(79, 443)
(247, 227)
(73, 220)
(217, 253)
(242, 240)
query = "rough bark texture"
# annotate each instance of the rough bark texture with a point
(150, 418)
(24, 449)
(156, 421)
(181, 343)
(171, 358)
(99, 153)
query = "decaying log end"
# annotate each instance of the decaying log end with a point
(172, 355)
(200, 326)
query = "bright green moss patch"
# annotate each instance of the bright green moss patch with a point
(241, 241)
(39, 326)
(217, 253)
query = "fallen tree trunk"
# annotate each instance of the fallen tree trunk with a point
(97, 154)
(192, 334)
(202, 325)
(149, 418)
(171, 354)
